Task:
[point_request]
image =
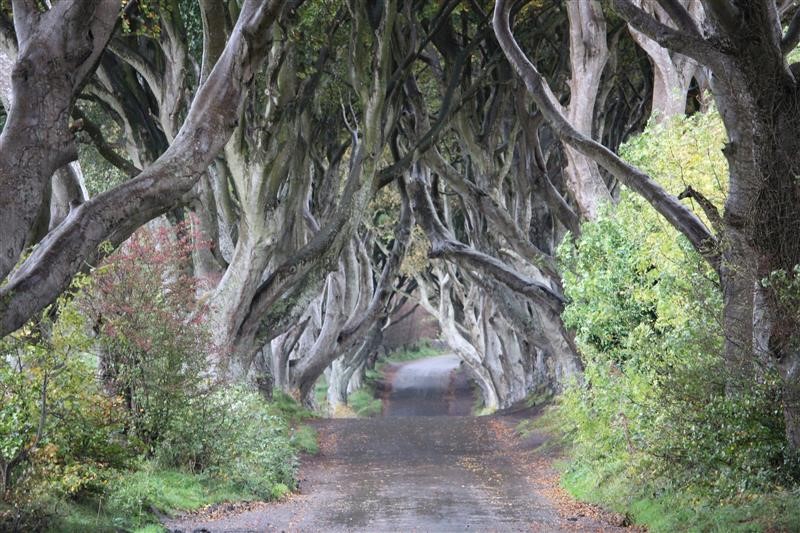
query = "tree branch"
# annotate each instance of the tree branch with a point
(725, 13)
(689, 44)
(382, 292)
(115, 214)
(708, 208)
(792, 36)
(25, 18)
(444, 244)
(667, 205)
(681, 17)
(103, 147)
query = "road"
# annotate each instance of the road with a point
(424, 466)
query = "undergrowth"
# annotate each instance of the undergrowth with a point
(110, 420)
(658, 427)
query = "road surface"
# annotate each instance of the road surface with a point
(417, 469)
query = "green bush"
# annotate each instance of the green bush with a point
(657, 406)
(232, 436)
(59, 433)
(152, 342)
(112, 407)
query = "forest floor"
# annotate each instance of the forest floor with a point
(425, 465)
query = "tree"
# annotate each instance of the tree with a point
(55, 39)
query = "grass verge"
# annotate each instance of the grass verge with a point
(681, 509)
(137, 500)
(364, 404)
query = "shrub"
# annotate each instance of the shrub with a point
(657, 403)
(58, 432)
(154, 349)
(232, 435)
(64, 433)
(152, 342)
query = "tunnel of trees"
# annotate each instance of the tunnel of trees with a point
(593, 199)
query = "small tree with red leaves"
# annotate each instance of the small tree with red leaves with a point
(153, 342)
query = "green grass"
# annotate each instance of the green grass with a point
(304, 439)
(364, 403)
(683, 510)
(284, 405)
(419, 351)
(136, 495)
(134, 500)
(680, 510)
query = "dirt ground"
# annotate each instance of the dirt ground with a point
(424, 466)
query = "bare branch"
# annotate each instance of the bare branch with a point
(26, 16)
(706, 205)
(102, 146)
(115, 214)
(444, 244)
(681, 17)
(724, 12)
(212, 13)
(667, 205)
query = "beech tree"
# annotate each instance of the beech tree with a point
(276, 138)
(55, 59)
(516, 195)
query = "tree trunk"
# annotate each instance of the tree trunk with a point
(672, 72)
(588, 54)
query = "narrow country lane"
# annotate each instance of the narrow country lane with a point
(416, 469)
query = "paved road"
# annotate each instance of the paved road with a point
(416, 470)
(434, 386)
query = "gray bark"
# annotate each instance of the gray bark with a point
(114, 215)
(588, 52)
(52, 64)
(672, 72)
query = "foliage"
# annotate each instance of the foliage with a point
(134, 325)
(658, 409)
(58, 432)
(248, 453)
(385, 210)
(152, 341)
(422, 349)
(99, 175)
(684, 151)
(674, 511)
(232, 435)
(154, 347)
